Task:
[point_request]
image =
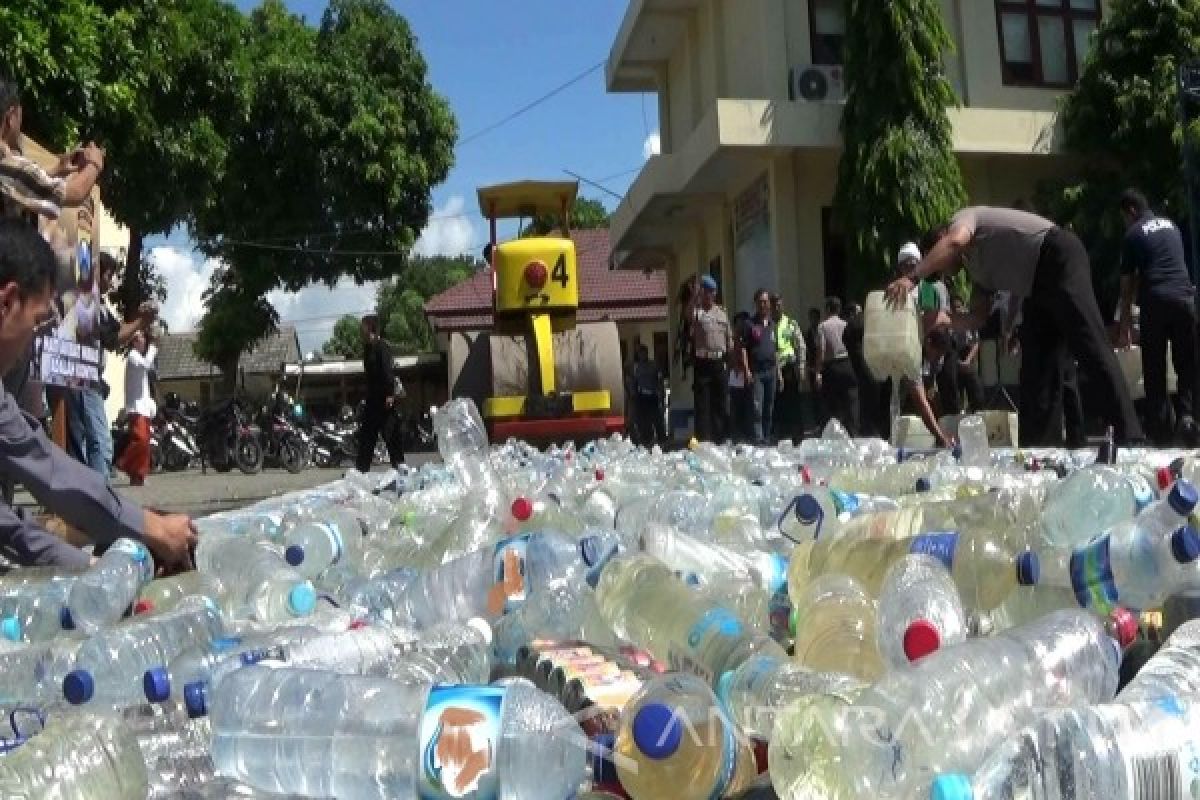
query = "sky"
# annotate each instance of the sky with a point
(488, 59)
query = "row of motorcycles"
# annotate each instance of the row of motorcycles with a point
(228, 436)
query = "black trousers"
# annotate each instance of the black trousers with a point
(710, 388)
(1060, 317)
(970, 385)
(648, 420)
(839, 393)
(789, 410)
(949, 397)
(1168, 321)
(1073, 404)
(378, 420)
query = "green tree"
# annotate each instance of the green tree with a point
(401, 301)
(586, 214)
(346, 339)
(1122, 120)
(898, 175)
(329, 172)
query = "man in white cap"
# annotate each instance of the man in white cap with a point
(712, 346)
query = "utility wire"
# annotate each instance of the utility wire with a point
(530, 106)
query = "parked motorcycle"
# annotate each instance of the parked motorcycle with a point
(175, 431)
(281, 444)
(228, 439)
(335, 442)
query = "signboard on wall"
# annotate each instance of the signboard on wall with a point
(754, 252)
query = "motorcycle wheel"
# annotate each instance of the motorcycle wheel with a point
(291, 456)
(156, 459)
(325, 459)
(248, 454)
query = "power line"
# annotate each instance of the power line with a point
(530, 106)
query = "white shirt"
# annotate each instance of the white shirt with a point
(137, 382)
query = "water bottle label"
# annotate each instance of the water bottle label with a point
(715, 622)
(679, 660)
(459, 736)
(1092, 577)
(941, 546)
(508, 575)
(1143, 495)
(335, 538)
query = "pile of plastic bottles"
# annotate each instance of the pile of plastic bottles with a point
(833, 619)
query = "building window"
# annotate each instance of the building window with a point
(1045, 42)
(827, 21)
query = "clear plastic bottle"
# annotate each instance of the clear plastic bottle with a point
(707, 560)
(255, 581)
(103, 594)
(163, 594)
(446, 654)
(834, 628)
(76, 757)
(377, 598)
(360, 738)
(764, 685)
(35, 613)
(208, 662)
(919, 611)
(463, 444)
(110, 665)
(564, 610)
(1088, 502)
(33, 676)
(330, 537)
(946, 712)
(646, 604)
(1136, 564)
(973, 440)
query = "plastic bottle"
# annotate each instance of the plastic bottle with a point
(919, 611)
(35, 613)
(497, 579)
(357, 737)
(945, 713)
(564, 610)
(1088, 502)
(463, 444)
(973, 440)
(644, 603)
(446, 654)
(163, 594)
(834, 628)
(757, 690)
(208, 662)
(331, 537)
(104, 593)
(110, 665)
(675, 741)
(33, 676)
(1137, 564)
(377, 598)
(892, 338)
(692, 555)
(76, 757)
(255, 580)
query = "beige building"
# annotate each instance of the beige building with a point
(750, 98)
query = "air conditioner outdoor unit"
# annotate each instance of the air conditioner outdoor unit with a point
(818, 83)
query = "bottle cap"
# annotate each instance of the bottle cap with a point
(195, 698)
(656, 731)
(922, 638)
(522, 509)
(1182, 498)
(223, 644)
(1124, 626)
(156, 683)
(10, 628)
(604, 771)
(957, 451)
(143, 607)
(923, 484)
(599, 473)
(1029, 568)
(808, 510)
(1185, 544)
(792, 621)
(951, 786)
(78, 687)
(294, 555)
(302, 599)
(724, 684)
(1165, 478)
(66, 620)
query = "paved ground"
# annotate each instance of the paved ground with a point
(196, 494)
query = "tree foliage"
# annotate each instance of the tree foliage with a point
(586, 214)
(346, 339)
(1122, 121)
(401, 301)
(329, 172)
(898, 175)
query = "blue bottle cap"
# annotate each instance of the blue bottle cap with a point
(1185, 544)
(195, 698)
(1182, 498)
(156, 683)
(78, 687)
(294, 555)
(808, 510)
(1029, 568)
(604, 771)
(656, 731)
(724, 684)
(844, 502)
(10, 628)
(66, 620)
(923, 485)
(223, 644)
(951, 786)
(302, 599)
(957, 452)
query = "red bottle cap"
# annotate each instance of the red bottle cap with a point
(921, 639)
(522, 509)
(143, 607)
(1123, 624)
(1165, 478)
(599, 474)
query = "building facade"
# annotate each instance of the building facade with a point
(750, 99)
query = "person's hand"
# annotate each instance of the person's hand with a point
(170, 538)
(69, 163)
(898, 290)
(147, 312)
(93, 155)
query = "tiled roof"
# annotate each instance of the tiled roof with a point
(177, 359)
(619, 295)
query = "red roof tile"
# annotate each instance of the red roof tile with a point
(619, 295)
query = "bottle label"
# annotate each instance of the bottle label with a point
(1143, 495)
(679, 660)
(1092, 577)
(728, 758)
(335, 538)
(508, 575)
(716, 621)
(941, 546)
(459, 737)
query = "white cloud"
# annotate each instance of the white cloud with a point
(314, 310)
(450, 231)
(187, 276)
(652, 146)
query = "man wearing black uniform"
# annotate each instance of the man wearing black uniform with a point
(1153, 266)
(379, 415)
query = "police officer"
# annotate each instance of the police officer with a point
(646, 387)
(712, 347)
(790, 353)
(1153, 266)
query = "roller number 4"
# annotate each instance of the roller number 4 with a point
(560, 271)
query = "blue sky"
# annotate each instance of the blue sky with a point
(488, 59)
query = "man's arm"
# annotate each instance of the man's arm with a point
(916, 391)
(24, 543)
(946, 255)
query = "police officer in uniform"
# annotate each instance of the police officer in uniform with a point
(791, 355)
(1153, 267)
(712, 346)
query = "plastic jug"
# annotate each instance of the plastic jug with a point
(892, 338)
